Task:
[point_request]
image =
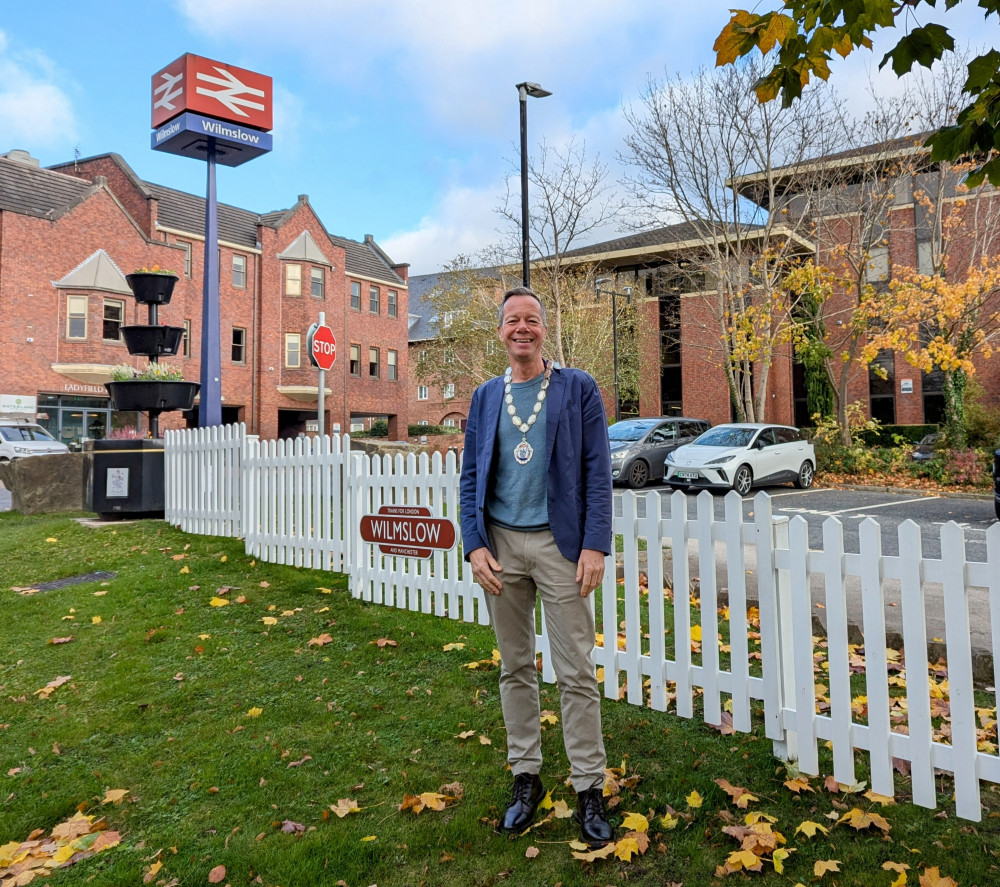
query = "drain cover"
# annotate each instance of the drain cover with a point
(99, 576)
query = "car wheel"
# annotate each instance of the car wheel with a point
(806, 474)
(743, 480)
(638, 474)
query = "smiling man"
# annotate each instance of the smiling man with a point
(536, 506)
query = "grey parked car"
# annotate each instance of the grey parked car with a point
(639, 446)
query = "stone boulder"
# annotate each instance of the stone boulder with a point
(41, 484)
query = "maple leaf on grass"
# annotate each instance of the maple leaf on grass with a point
(46, 691)
(384, 642)
(344, 806)
(861, 820)
(741, 797)
(635, 822)
(292, 828)
(55, 641)
(933, 878)
(114, 795)
(809, 828)
(531, 853)
(321, 641)
(798, 785)
(590, 855)
(822, 866)
(217, 875)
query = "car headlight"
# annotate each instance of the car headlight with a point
(24, 451)
(722, 460)
(670, 457)
(618, 456)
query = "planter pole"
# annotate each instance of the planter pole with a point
(210, 407)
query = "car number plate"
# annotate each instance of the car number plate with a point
(688, 475)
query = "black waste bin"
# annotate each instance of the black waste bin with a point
(125, 478)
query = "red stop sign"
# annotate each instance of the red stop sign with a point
(322, 346)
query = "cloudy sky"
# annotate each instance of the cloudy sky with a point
(399, 119)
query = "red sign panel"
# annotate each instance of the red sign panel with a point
(408, 531)
(215, 89)
(322, 346)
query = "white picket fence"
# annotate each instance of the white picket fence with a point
(301, 503)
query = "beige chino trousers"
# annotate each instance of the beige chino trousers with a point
(533, 563)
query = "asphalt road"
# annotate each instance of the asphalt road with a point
(851, 507)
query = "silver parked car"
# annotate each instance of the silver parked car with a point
(19, 438)
(741, 456)
(639, 446)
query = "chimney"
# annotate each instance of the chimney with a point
(19, 155)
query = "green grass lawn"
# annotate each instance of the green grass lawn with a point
(160, 701)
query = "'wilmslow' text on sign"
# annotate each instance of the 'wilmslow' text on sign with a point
(407, 531)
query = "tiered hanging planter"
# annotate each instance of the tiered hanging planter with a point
(126, 476)
(147, 393)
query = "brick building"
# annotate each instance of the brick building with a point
(69, 234)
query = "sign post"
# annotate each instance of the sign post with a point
(221, 114)
(322, 348)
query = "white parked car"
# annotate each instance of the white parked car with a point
(741, 456)
(19, 438)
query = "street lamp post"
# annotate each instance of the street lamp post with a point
(523, 91)
(614, 330)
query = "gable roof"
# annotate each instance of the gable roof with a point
(30, 191)
(305, 248)
(364, 261)
(98, 272)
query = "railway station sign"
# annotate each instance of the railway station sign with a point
(408, 531)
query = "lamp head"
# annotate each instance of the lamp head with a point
(601, 281)
(532, 89)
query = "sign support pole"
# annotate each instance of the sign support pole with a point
(322, 386)
(210, 406)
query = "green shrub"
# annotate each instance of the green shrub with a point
(416, 430)
(380, 428)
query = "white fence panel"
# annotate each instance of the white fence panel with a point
(301, 502)
(203, 479)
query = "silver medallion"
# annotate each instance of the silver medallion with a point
(523, 452)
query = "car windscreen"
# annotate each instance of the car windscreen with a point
(24, 432)
(725, 437)
(629, 430)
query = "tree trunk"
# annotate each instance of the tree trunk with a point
(954, 408)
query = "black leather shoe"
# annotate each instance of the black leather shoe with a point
(525, 797)
(593, 818)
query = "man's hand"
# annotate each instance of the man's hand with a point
(484, 570)
(589, 570)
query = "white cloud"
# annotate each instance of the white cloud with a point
(462, 222)
(35, 112)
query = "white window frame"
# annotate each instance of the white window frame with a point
(317, 275)
(242, 345)
(72, 315)
(354, 350)
(120, 304)
(239, 274)
(293, 349)
(293, 279)
(392, 305)
(423, 392)
(392, 365)
(372, 350)
(356, 295)
(449, 390)
(186, 341)
(374, 298)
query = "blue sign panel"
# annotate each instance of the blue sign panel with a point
(189, 133)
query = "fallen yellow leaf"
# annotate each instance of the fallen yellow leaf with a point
(694, 799)
(635, 822)
(115, 795)
(255, 712)
(218, 602)
(95, 620)
(269, 620)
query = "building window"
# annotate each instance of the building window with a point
(114, 317)
(373, 362)
(186, 341)
(293, 350)
(392, 368)
(355, 295)
(240, 272)
(449, 390)
(187, 257)
(373, 299)
(293, 280)
(317, 281)
(355, 368)
(76, 317)
(393, 306)
(449, 356)
(449, 423)
(239, 345)
(491, 346)
(422, 392)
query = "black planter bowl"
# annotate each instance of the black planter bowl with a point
(150, 341)
(142, 396)
(151, 287)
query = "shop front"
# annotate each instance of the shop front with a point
(73, 418)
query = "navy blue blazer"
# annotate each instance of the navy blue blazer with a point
(577, 458)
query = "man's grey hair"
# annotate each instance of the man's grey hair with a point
(519, 291)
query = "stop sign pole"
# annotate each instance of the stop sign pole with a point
(322, 353)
